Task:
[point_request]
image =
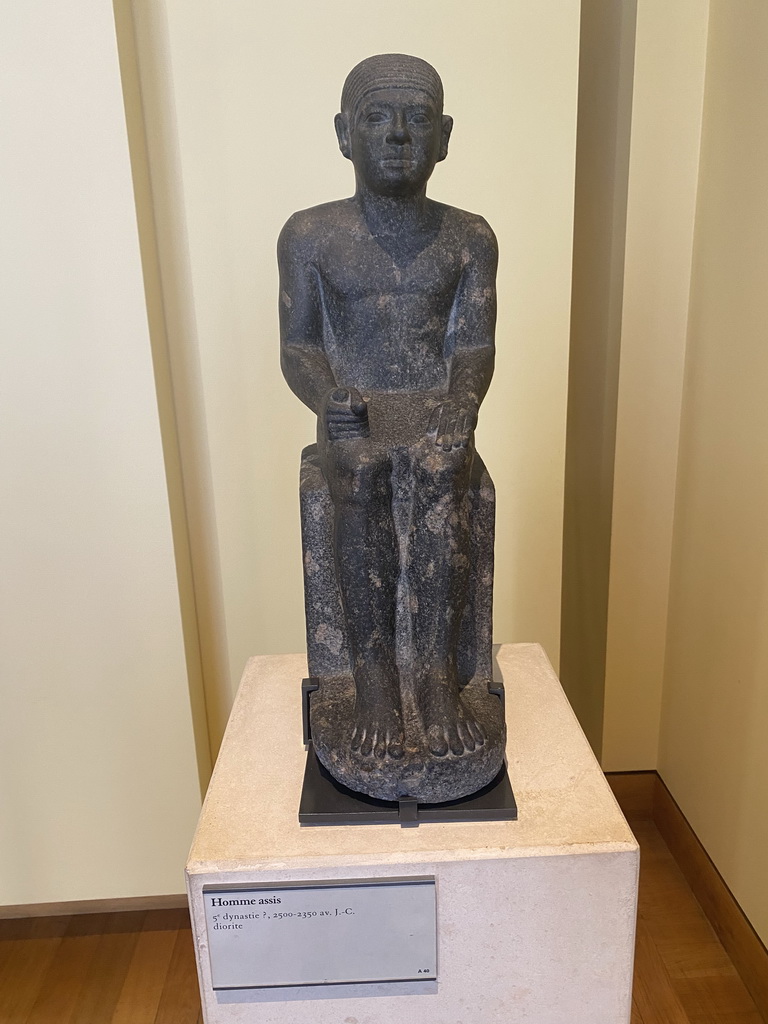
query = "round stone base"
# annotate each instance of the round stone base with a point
(419, 773)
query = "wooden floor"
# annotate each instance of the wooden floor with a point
(682, 973)
(124, 968)
(138, 968)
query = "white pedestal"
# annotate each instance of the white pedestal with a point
(536, 918)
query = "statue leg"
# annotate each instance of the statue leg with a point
(366, 555)
(438, 575)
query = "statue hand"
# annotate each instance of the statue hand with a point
(452, 423)
(345, 415)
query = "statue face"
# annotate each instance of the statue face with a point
(395, 140)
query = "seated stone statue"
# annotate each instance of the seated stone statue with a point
(388, 309)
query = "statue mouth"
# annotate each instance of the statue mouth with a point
(397, 162)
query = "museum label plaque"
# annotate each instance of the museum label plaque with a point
(322, 933)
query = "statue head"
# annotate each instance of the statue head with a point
(391, 125)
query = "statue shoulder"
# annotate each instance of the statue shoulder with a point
(305, 230)
(473, 232)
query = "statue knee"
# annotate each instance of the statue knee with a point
(443, 471)
(357, 481)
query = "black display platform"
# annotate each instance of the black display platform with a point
(324, 801)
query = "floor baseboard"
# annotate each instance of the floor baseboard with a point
(643, 795)
(171, 902)
(634, 792)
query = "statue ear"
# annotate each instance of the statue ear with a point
(341, 124)
(445, 136)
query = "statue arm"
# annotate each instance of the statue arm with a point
(304, 364)
(474, 320)
(471, 341)
(342, 414)
(471, 372)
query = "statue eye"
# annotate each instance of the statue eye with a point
(376, 117)
(419, 118)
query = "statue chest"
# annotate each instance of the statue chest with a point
(366, 279)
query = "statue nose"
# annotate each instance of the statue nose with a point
(399, 131)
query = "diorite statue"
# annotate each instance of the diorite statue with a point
(388, 307)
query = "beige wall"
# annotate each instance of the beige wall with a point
(239, 101)
(714, 753)
(98, 778)
(686, 656)
(663, 173)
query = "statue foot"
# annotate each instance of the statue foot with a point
(459, 737)
(448, 725)
(377, 733)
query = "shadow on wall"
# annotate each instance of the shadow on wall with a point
(167, 283)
